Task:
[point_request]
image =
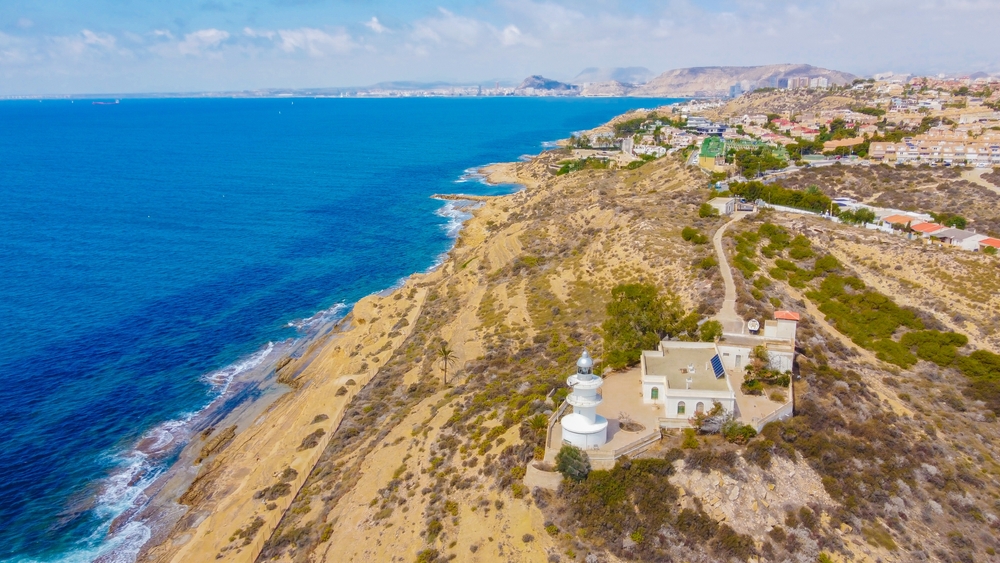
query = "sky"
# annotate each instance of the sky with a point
(132, 46)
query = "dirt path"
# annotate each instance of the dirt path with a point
(976, 177)
(731, 321)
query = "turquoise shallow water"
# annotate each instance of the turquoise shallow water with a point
(153, 249)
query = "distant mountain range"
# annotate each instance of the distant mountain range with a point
(714, 81)
(693, 82)
(625, 75)
(717, 80)
(541, 83)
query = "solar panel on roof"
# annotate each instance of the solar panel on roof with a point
(720, 371)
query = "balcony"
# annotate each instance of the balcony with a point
(576, 383)
(584, 401)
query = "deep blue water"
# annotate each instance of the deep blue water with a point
(148, 244)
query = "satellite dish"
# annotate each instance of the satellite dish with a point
(753, 325)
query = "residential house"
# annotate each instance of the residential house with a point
(966, 240)
(686, 378)
(724, 205)
(927, 229)
(989, 241)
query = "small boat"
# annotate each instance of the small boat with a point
(114, 103)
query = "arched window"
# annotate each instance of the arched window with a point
(699, 408)
(680, 407)
(654, 394)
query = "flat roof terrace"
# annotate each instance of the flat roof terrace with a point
(674, 365)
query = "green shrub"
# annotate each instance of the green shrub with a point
(877, 535)
(982, 368)
(707, 210)
(800, 253)
(737, 433)
(786, 265)
(745, 266)
(778, 274)
(801, 241)
(893, 352)
(691, 234)
(709, 331)
(866, 317)
(826, 263)
(935, 346)
(752, 387)
(690, 441)
(568, 166)
(573, 463)
(758, 452)
(434, 529)
(729, 544)
(762, 282)
(708, 263)
(811, 200)
(638, 317)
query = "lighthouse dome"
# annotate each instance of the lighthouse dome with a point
(585, 362)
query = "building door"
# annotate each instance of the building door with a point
(699, 408)
(739, 360)
(680, 407)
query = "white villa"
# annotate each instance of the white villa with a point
(686, 378)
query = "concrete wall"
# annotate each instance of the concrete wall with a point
(691, 398)
(728, 353)
(650, 382)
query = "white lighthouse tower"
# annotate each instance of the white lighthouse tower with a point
(584, 428)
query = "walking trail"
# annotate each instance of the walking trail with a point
(731, 321)
(976, 177)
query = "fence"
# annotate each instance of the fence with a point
(639, 445)
(552, 422)
(784, 412)
(762, 203)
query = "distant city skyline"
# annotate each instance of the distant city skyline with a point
(123, 46)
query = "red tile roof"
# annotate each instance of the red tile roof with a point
(786, 315)
(995, 243)
(926, 227)
(898, 219)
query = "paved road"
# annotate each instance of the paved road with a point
(731, 321)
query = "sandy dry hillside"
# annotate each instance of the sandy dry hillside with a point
(586, 233)
(372, 456)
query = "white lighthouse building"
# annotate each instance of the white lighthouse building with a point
(584, 428)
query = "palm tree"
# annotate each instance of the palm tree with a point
(447, 356)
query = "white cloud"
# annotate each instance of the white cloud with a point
(202, 41)
(98, 39)
(11, 50)
(314, 42)
(450, 28)
(509, 39)
(376, 26)
(511, 36)
(24, 23)
(256, 33)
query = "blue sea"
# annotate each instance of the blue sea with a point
(155, 249)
